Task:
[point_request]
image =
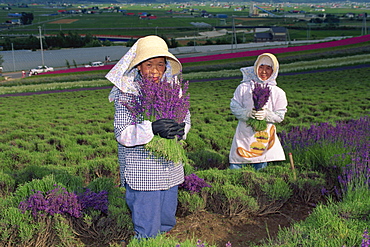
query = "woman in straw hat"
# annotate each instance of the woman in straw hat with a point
(151, 183)
(257, 147)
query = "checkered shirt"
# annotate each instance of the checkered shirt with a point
(138, 168)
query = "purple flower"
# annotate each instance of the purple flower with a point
(56, 201)
(200, 244)
(164, 99)
(366, 239)
(60, 201)
(351, 135)
(260, 95)
(97, 201)
(193, 183)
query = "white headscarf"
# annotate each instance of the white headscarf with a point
(250, 74)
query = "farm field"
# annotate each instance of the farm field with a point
(173, 21)
(74, 130)
(57, 148)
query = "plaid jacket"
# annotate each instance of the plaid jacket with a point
(138, 168)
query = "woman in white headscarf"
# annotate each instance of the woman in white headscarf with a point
(248, 146)
(151, 182)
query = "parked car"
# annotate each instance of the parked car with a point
(40, 69)
(95, 64)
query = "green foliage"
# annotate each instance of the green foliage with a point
(206, 158)
(45, 184)
(167, 242)
(238, 200)
(16, 227)
(321, 155)
(7, 183)
(190, 203)
(277, 189)
(356, 203)
(324, 227)
(228, 195)
(65, 233)
(307, 188)
(67, 139)
(170, 149)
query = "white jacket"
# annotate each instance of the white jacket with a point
(249, 146)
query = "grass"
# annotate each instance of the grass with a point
(72, 132)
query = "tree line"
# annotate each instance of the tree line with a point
(61, 40)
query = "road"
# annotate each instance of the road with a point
(19, 60)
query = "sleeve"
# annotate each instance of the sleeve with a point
(187, 124)
(238, 109)
(127, 132)
(279, 108)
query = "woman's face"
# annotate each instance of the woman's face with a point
(153, 68)
(264, 72)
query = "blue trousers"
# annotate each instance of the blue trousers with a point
(153, 212)
(257, 166)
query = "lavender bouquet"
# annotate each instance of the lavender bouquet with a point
(260, 95)
(157, 100)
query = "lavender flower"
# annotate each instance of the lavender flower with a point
(60, 201)
(56, 201)
(260, 95)
(157, 100)
(193, 183)
(352, 136)
(200, 244)
(97, 201)
(163, 99)
(366, 239)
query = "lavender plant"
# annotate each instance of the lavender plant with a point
(342, 142)
(56, 201)
(90, 199)
(60, 201)
(366, 239)
(157, 100)
(194, 184)
(260, 96)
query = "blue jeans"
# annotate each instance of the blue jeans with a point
(257, 166)
(153, 212)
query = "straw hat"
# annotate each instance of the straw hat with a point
(154, 46)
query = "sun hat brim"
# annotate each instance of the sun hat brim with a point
(151, 47)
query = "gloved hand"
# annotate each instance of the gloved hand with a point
(181, 132)
(260, 115)
(251, 114)
(167, 128)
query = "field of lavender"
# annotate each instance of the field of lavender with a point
(59, 173)
(59, 166)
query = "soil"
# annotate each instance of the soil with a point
(240, 232)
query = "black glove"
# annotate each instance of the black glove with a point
(165, 128)
(181, 132)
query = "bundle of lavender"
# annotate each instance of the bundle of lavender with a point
(260, 94)
(157, 100)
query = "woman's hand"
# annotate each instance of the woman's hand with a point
(168, 128)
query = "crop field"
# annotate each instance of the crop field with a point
(72, 132)
(59, 178)
(177, 23)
